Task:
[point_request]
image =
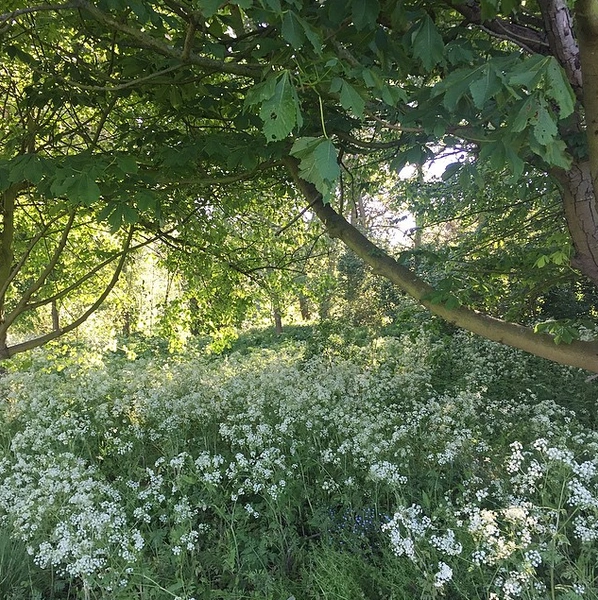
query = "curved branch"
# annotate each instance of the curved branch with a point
(37, 284)
(44, 339)
(89, 275)
(529, 39)
(11, 16)
(25, 255)
(577, 354)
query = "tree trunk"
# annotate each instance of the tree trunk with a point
(304, 307)
(277, 320)
(126, 328)
(55, 316)
(581, 213)
(587, 25)
(7, 210)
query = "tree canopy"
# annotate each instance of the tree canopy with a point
(155, 116)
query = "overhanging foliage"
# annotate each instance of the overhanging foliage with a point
(133, 109)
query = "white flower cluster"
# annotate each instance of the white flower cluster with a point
(409, 527)
(97, 463)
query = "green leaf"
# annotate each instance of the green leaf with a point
(529, 72)
(494, 153)
(392, 95)
(351, 100)
(127, 164)
(455, 86)
(556, 154)
(365, 13)
(260, 92)
(208, 8)
(176, 100)
(27, 167)
(559, 88)
(318, 163)
(292, 31)
(452, 302)
(282, 112)
(428, 45)
(524, 115)
(19, 53)
(140, 9)
(459, 51)
(371, 78)
(514, 161)
(145, 201)
(273, 5)
(336, 84)
(326, 154)
(508, 6)
(489, 9)
(541, 262)
(312, 35)
(545, 129)
(117, 214)
(485, 87)
(451, 170)
(115, 219)
(129, 214)
(86, 190)
(559, 257)
(563, 330)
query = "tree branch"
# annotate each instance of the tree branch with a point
(11, 16)
(577, 354)
(89, 275)
(147, 41)
(26, 295)
(25, 255)
(7, 352)
(529, 39)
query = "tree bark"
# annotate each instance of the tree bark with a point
(558, 23)
(55, 316)
(304, 307)
(587, 22)
(581, 213)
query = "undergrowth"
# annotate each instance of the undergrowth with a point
(329, 464)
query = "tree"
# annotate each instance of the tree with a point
(192, 95)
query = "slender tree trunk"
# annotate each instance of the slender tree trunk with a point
(277, 320)
(7, 211)
(304, 307)
(587, 25)
(126, 329)
(55, 316)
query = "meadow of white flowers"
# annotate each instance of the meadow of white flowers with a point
(406, 468)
